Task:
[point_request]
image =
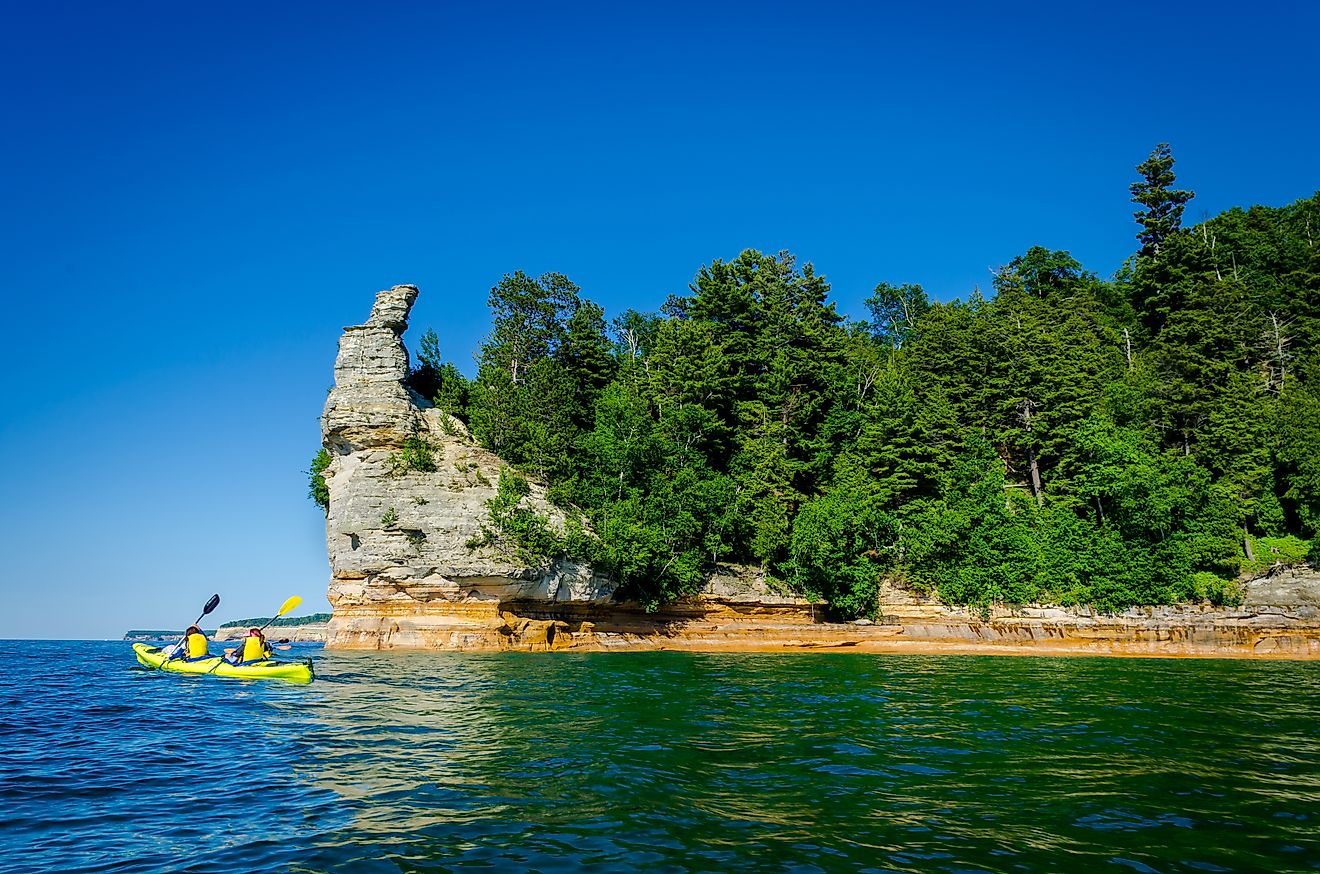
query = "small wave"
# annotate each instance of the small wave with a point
(675, 761)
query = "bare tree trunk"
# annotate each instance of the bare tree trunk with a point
(1127, 347)
(1035, 478)
(1283, 362)
(1024, 414)
(1211, 241)
(1246, 544)
(1280, 344)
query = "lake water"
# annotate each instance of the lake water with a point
(661, 762)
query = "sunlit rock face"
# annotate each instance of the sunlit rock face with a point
(408, 570)
(405, 567)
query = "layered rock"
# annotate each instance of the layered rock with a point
(405, 567)
(412, 568)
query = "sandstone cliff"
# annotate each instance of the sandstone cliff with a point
(407, 569)
(404, 570)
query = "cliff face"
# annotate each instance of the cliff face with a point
(408, 569)
(404, 571)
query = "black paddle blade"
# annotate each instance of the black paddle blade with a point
(211, 604)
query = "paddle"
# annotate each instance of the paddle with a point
(210, 605)
(291, 604)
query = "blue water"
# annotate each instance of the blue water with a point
(659, 761)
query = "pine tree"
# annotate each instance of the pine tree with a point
(586, 358)
(1161, 210)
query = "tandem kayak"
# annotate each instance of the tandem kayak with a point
(296, 672)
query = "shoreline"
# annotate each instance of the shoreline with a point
(912, 647)
(413, 566)
(1241, 633)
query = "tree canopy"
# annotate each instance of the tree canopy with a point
(1069, 439)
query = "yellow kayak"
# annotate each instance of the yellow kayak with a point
(295, 672)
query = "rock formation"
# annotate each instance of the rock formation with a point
(405, 570)
(410, 566)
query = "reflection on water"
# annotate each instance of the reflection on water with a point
(419, 762)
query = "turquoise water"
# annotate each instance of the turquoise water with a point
(659, 761)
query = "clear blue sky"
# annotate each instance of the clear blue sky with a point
(197, 197)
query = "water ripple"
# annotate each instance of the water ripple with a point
(664, 761)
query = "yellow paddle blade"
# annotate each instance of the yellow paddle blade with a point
(290, 604)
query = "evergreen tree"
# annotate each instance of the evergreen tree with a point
(535, 373)
(1161, 205)
(439, 381)
(1070, 439)
(586, 358)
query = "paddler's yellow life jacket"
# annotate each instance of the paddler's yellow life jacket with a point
(254, 649)
(195, 645)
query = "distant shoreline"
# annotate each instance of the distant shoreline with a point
(311, 632)
(309, 629)
(149, 634)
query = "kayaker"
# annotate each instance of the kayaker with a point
(192, 647)
(254, 649)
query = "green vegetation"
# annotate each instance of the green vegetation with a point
(1217, 590)
(316, 487)
(438, 381)
(1268, 552)
(516, 528)
(259, 621)
(389, 517)
(1070, 439)
(416, 455)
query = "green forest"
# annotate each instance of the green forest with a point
(287, 621)
(1062, 438)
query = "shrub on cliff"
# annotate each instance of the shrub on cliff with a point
(416, 455)
(1217, 590)
(842, 544)
(515, 527)
(316, 487)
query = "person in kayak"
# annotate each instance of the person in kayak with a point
(254, 649)
(192, 647)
